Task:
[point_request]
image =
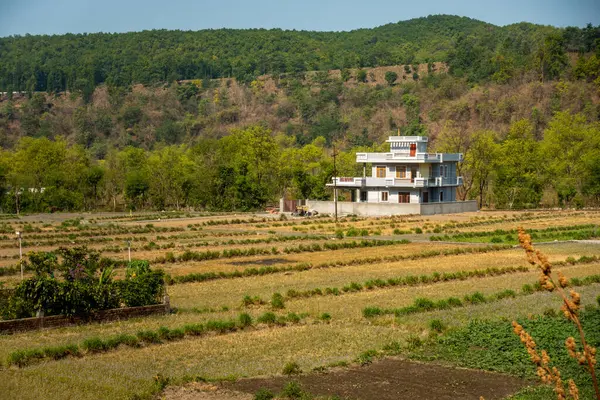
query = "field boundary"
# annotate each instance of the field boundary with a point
(58, 321)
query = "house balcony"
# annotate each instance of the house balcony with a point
(348, 182)
(404, 157)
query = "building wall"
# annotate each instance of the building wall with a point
(381, 209)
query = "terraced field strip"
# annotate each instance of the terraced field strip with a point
(94, 345)
(351, 305)
(424, 304)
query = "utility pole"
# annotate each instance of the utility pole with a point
(335, 185)
(19, 236)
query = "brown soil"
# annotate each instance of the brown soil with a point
(391, 378)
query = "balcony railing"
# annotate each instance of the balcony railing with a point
(396, 182)
(405, 157)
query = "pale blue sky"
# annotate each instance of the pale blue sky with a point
(76, 16)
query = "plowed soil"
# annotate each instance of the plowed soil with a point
(388, 379)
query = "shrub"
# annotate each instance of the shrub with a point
(366, 357)
(527, 289)
(193, 329)
(267, 318)
(325, 317)
(277, 301)
(475, 298)
(423, 303)
(369, 312)
(437, 325)
(94, 345)
(292, 391)
(496, 239)
(293, 318)
(413, 342)
(292, 368)
(148, 336)
(220, 326)
(418, 230)
(264, 394)
(245, 320)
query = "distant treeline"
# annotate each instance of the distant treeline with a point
(474, 49)
(253, 167)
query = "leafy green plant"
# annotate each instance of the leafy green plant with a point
(291, 368)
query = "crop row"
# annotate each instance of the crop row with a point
(409, 280)
(268, 270)
(423, 304)
(24, 357)
(253, 251)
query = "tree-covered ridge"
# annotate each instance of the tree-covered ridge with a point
(472, 48)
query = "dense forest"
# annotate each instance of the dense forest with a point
(235, 119)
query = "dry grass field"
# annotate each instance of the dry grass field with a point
(316, 257)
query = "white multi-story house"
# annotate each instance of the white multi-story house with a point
(405, 174)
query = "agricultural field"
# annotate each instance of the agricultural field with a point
(362, 308)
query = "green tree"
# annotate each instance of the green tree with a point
(361, 75)
(391, 77)
(518, 183)
(570, 148)
(480, 162)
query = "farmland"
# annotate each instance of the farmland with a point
(317, 277)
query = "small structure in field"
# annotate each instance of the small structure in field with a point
(405, 180)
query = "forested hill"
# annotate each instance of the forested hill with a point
(165, 119)
(472, 48)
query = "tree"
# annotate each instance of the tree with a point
(480, 162)
(391, 77)
(361, 75)
(551, 57)
(571, 146)
(519, 182)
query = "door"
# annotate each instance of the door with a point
(425, 197)
(413, 149)
(413, 174)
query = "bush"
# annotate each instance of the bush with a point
(264, 394)
(292, 368)
(527, 289)
(437, 325)
(413, 342)
(245, 320)
(277, 301)
(148, 336)
(325, 317)
(369, 312)
(267, 318)
(94, 345)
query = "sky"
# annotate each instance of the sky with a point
(79, 16)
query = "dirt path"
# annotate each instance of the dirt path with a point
(388, 379)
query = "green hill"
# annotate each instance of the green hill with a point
(82, 61)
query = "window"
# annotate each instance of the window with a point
(384, 196)
(401, 172)
(430, 171)
(381, 172)
(403, 197)
(444, 171)
(363, 196)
